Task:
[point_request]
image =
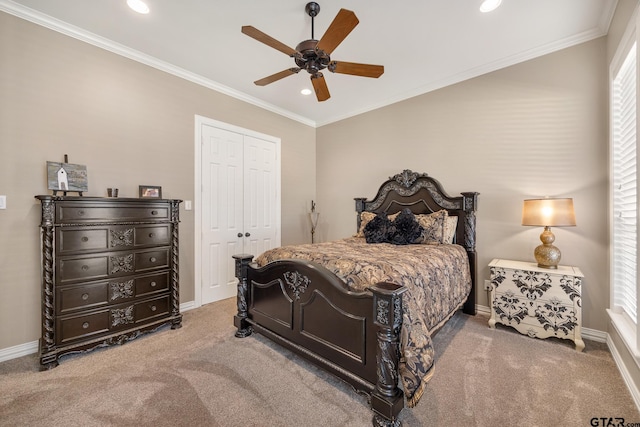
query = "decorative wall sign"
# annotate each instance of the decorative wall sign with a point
(67, 177)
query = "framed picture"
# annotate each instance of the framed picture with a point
(67, 177)
(150, 191)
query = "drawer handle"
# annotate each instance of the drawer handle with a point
(85, 239)
(85, 297)
(152, 259)
(153, 308)
(153, 284)
(154, 212)
(151, 234)
(85, 325)
(80, 213)
(85, 267)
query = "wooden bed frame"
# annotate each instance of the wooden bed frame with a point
(354, 335)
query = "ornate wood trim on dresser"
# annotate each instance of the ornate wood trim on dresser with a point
(109, 272)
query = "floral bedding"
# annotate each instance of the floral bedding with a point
(438, 281)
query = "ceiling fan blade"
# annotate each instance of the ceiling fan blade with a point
(320, 86)
(353, 68)
(344, 22)
(268, 40)
(277, 76)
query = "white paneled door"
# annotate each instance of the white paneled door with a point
(240, 204)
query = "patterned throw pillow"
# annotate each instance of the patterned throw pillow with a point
(450, 225)
(365, 217)
(433, 225)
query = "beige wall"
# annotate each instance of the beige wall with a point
(531, 130)
(130, 124)
(534, 129)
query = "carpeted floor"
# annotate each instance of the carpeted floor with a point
(201, 375)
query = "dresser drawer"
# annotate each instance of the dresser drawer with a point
(111, 319)
(83, 268)
(158, 235)
(100, 238)
(150, 260)
(86, 239)
(148, 285)
(80, 212)
(149, 310)
(82, 326)
(112, 264)
(97, 294)
(82, 297)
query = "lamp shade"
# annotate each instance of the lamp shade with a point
(548, 212)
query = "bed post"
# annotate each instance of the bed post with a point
(470, 205)
(387, 400)
(240, 319)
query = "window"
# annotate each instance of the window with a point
(624, 177)
(625, 283)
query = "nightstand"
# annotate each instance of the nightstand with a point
(538, 302)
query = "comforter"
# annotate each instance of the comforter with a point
(437, 278)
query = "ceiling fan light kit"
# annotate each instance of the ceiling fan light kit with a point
(314, 55)
(139, 6)
(489, 5)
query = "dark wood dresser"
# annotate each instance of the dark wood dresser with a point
(109, 271)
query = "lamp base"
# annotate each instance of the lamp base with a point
(547, 255)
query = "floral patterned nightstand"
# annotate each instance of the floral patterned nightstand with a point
(538, 302)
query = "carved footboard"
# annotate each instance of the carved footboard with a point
(309, 310)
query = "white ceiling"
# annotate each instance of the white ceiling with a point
(423, 44)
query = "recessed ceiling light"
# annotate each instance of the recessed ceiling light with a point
(138, 5)
(489, 5)
(305, 91)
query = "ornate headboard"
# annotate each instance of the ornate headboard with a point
(423, 194)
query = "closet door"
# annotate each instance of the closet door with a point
(222, 205)
(239, 198)
(260, 195)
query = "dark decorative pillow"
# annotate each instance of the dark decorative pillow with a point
(379, 229)
(407, 229)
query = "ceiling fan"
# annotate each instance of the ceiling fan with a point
(314, 55)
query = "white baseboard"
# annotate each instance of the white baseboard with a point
(32, 347)
(18, 350)
(483, 309)
(594, 335)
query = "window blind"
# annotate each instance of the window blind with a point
(625, 207)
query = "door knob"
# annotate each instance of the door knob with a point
(247, 234)
(239, 234)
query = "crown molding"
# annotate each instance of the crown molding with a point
(109, 45)
(62, 27)
(577, 39)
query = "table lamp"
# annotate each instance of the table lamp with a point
(548, 213)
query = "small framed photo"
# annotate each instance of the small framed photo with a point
(150, 192)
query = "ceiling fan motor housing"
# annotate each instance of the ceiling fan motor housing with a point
(310, 58)
(312, 9)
